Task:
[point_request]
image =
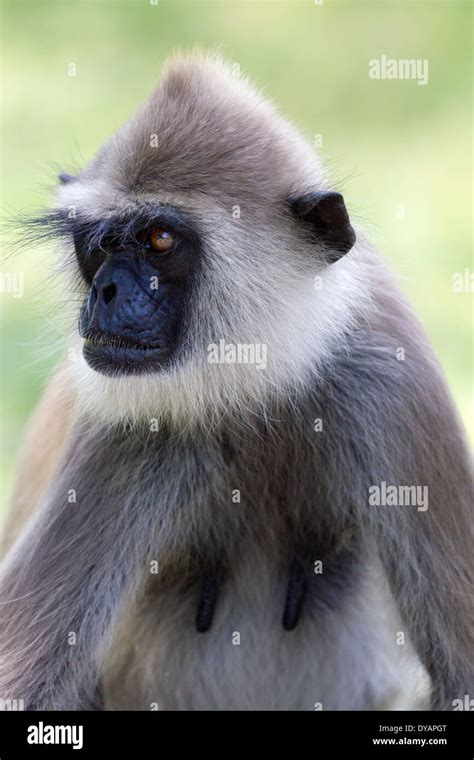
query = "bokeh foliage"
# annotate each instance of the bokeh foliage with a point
(401, 152)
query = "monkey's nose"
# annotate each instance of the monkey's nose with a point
(118, 303)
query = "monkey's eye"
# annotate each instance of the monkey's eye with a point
(161, 240)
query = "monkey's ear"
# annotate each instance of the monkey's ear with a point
(325, 212)
(65, 178)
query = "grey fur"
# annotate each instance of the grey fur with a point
(167, 496)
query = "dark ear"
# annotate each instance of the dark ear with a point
(65, 179)
(326, 214)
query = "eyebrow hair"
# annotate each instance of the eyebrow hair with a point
(121, 227)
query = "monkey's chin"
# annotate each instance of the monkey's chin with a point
(114, 361)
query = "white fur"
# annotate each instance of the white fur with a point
(300, 333)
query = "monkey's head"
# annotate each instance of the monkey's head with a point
(206, 238)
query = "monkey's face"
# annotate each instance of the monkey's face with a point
(139, 267)
(203, 223)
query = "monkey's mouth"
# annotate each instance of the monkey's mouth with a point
(114, 355)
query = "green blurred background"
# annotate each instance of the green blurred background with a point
(401, 152)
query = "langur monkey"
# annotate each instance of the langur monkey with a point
(194, 528)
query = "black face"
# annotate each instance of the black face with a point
(139, 268)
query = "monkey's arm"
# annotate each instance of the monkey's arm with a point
(62, 582)
(82, 558)
(393, 422)
(44, 443)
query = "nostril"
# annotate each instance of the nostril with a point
(108, 293)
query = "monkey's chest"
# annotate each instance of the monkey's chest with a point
(247, 658)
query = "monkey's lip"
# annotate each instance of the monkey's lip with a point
(116, 341)
(113, 355)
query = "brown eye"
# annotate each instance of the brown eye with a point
(161, 240)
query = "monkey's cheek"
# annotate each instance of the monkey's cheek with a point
(114, 361)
